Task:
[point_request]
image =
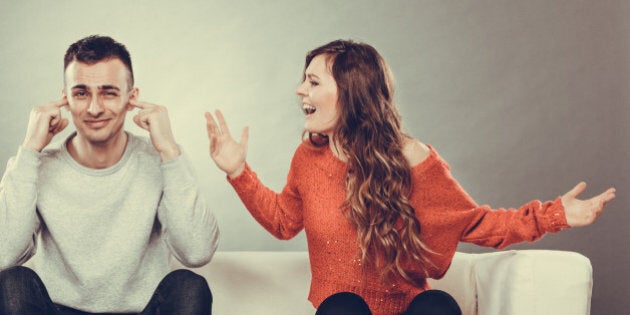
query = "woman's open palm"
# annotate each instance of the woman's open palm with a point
(584, 212)
(227, 154)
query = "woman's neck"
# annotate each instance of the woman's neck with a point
(336, 149)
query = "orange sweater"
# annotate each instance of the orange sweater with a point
(311, 201)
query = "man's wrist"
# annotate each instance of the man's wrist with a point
(31, 146)
(170, 153)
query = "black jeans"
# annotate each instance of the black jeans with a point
(180, 292)
(430, 302)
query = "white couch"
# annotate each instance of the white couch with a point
(509, 282)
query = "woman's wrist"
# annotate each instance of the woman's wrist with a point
(236, 172)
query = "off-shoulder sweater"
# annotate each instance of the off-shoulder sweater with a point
(312, 199)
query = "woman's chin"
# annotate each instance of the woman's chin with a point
(314, 129)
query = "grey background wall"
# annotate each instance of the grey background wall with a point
(523, 98)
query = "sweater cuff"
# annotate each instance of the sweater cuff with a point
(243, 178)
(556, 219)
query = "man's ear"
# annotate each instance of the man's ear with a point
(133, 95)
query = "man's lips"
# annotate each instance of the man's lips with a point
(96, 123)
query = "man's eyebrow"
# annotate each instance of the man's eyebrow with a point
(102, 87)
(109, 87)
(80, 86)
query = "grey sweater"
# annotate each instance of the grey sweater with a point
(102, 239)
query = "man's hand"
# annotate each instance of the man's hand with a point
(154, 118)
(584, 212)
(44, 123)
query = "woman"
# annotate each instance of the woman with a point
(381, 210)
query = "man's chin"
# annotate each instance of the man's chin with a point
(97, 137)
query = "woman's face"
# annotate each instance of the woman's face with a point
(319, 97)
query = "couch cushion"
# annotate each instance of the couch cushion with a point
(259, 282)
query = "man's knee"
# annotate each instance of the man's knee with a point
(17, 286)
(194, 285)
(181, 291)
(16, 277)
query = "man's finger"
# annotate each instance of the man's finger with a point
(60, 103)
(60, 126)
(55, 118)
(141, 105)
(136, 119)
(141, 122)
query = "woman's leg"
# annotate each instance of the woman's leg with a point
(343, 303)
(23, 292)
(181, 292)
(434, 302)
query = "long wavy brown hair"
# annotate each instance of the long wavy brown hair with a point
(369, 133)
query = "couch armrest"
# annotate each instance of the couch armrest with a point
(533, 282)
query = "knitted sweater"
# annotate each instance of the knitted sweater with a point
(102, 238)
(311, 201)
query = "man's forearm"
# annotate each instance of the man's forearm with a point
(193, 233)
(18, 218)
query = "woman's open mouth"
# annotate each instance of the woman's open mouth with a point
(308, 109)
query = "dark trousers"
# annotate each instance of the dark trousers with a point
(430, 302)
(180, 292)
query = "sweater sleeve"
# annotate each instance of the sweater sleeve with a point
(500, 228)
(191, 229)
(485, 226)
(448, 215)
(18, 216)
(280, 214)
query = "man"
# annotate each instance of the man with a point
(101, 214)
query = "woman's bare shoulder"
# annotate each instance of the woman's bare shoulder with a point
(415, 151)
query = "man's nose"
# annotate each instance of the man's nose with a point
(95, 107)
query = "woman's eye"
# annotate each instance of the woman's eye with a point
(314, 83)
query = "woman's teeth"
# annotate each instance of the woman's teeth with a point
(308, 109)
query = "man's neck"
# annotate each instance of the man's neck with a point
(97, 155)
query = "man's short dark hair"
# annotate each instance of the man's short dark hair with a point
(96, 48)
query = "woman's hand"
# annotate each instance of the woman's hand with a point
(227, 154)
(584, 212)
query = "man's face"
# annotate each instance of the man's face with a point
(98, 96)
